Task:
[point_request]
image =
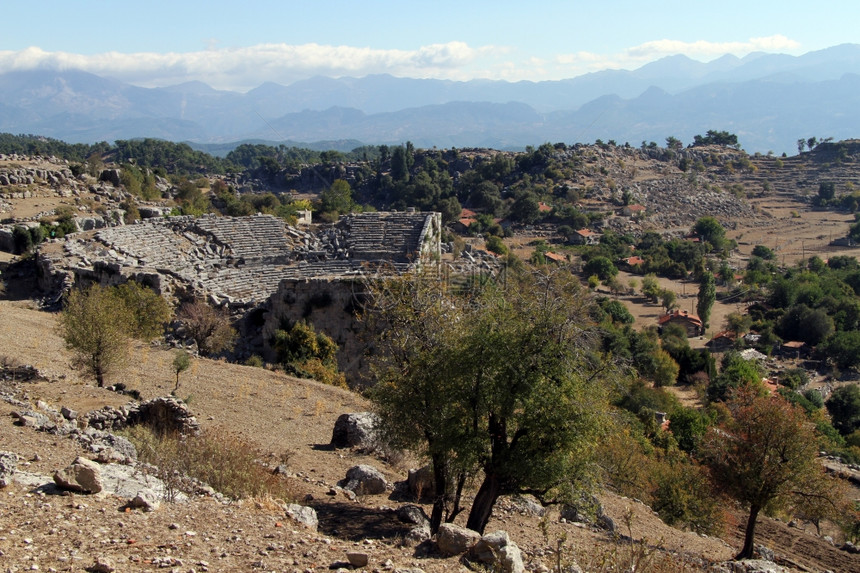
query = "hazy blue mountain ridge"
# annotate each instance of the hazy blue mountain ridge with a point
(769, 100)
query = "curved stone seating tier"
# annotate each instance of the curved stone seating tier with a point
(257, 237)
(396, 236)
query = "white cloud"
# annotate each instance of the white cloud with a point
(636, 56)
(709, 50)
(242, 68)
(247, 67)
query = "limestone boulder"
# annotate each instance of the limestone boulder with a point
(364, 480)
(499, 552)
(307, 516)
(146, 500)
(455, 540)
(354, 430)
(413, 514)
(82, 475)
(420, 482)
(8, 465)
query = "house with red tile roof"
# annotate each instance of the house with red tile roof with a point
(632, 262)
(555, 257)
(585, 237)
(635, 211)
(691, 323)
(722, 341)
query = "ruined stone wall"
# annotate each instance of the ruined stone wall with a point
(330, 305)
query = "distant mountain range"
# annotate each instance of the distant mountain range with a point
(768, 100)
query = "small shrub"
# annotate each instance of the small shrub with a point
(225, 462)
(181, 363)
(307, 353)
(321, 372)
(210, 328)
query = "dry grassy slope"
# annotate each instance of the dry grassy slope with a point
(277, 414)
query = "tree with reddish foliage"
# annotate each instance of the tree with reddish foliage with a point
(210, 328)
(765, 457)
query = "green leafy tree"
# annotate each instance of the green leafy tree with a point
(668, 298)
(600, 266)
(738, 322)
(496, 245)
(735, 372)
(665, 369)
(22, 240)
(682, 495)
(650, 287)
(616, 311)
(711, 231)
(763, 252)
(181, 363)
(844, 408)
(337, 199)
(399, 164)
(526, 208)
(414, 391)
(843, 348)
(810, 325)
(714, 137)
(689, 427)
(305, 352)
(765, 456)
(149, 311)
(95, 326)
(706, 297)
(502, 387)
(794, 378)
(487, 196)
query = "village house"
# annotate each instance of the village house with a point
(633, 263)
(794, 349)
(462, 225)
(690, 322)
(585, 237)
(722, 341)
(555, 257)
(635, 211)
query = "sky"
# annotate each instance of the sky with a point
(241, 44)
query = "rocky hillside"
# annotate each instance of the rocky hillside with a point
(288, 423)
